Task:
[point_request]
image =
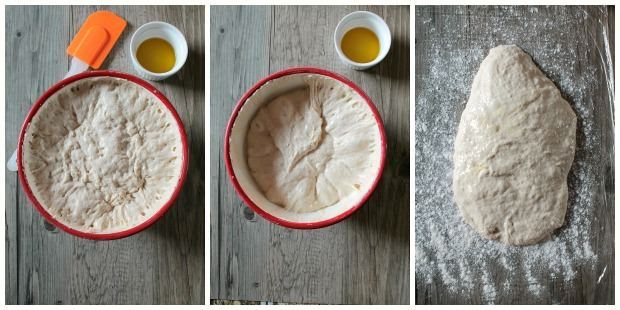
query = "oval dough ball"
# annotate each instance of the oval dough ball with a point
(513, 151)
(312, 147)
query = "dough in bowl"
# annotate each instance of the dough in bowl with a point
(311, 147)
(513, 151)
(102, 155)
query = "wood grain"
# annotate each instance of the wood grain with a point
(364, 259)
(586, 31)
(162, 265)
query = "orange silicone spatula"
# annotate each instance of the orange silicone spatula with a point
(94, 41)
(89, 48)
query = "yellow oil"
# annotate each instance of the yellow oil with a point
(156, 55)
(360, 45)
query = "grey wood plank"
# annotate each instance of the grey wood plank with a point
(30, 34)
(239, 58)
(611, 19)
(164, 264)
(483, 27)
(364, 259)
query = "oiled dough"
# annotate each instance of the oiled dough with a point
(309, 148)
(514, 148)
(102, 155)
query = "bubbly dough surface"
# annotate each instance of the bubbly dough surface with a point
(309, 148)
(102, 155)
(513, 151)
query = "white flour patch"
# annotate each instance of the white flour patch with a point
(601, 276)
(448, 252)
(488, 287)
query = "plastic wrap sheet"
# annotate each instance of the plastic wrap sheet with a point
(574, 47)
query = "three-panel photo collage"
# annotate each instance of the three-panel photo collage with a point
(256, 155)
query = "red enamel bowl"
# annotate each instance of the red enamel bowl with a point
(236, 166)
(118, 234)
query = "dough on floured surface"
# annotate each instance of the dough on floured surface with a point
(102, 155)
(513, 151)
(311, 147)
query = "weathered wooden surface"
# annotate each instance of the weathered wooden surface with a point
(445, 35)
(364, 259)
(165, 263)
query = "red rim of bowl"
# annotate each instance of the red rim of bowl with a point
(119, 234)
(246, 198)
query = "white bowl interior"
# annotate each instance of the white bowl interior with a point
(237, 140)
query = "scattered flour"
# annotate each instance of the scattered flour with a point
(453, 43)
(602, 274)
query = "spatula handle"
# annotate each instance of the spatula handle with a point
(77, 66)
(11, 165)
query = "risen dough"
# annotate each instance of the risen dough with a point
(514, 148)
(311, 147)
(102, 155)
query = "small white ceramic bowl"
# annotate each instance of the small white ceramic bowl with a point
(368, 20)
(164, 31)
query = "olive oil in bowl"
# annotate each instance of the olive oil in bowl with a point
(156, 55)
(360, 45)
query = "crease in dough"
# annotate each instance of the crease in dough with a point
(311, 147)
